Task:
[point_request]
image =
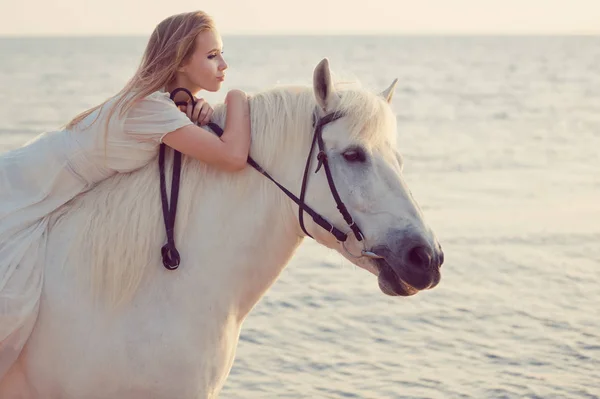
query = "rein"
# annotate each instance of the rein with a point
(170, 255)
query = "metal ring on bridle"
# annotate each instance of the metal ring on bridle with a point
(364, 253)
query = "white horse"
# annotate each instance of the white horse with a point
(114, 323)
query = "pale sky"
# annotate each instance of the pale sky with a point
(135, 17)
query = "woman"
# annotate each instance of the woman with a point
(120, 135)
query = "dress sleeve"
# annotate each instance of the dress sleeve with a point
(153, 117)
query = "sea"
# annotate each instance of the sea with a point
(501, 140)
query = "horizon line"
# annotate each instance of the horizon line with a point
(317, 34)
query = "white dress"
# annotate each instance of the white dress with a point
(47, 172)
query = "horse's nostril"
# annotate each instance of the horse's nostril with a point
(420, 257)
(441, 257)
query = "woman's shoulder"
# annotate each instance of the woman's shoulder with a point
(134, 97)
(159, 94)
(158, 100)
(154, 114)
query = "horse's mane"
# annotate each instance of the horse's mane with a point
(122, 215)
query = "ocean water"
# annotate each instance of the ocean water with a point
(501, 138)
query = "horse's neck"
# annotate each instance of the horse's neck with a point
(236, 243)
(281, 130)
(256, 224)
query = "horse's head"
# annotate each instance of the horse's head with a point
(366, 169)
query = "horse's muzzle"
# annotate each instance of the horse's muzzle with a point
(413, 266)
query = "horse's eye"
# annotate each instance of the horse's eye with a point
(354, 155)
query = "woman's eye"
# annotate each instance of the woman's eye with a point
(354, 155)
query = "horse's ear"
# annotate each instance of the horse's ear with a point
(323, 87)
(389, 92)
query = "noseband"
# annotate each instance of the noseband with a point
(170, 255)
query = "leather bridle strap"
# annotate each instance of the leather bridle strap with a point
(323, 161)
(318, 219)
(170, 255)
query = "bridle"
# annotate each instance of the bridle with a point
(170, 255)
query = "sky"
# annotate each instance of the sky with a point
(245, 17)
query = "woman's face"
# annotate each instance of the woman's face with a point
(205, 69)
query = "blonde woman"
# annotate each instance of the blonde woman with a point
(120, 135)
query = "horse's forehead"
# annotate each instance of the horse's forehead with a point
(371, 132)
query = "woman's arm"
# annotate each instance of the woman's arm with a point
(228, 152)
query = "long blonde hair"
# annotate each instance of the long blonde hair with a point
(171, 44)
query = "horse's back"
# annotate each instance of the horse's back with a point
(146, 348)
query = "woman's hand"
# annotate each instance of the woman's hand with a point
(201, 113)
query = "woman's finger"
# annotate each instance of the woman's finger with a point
(208, 116)
(189, 109)
(204, 117)
(197, 110)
